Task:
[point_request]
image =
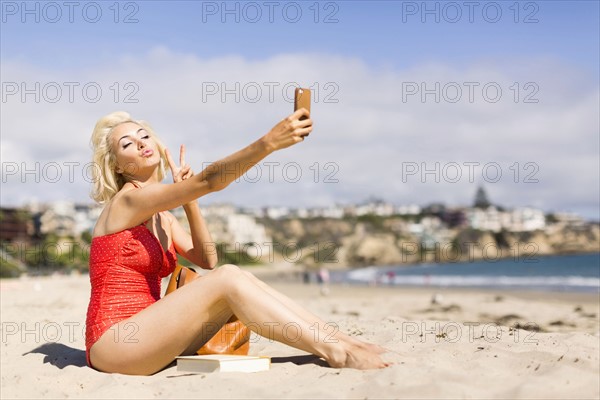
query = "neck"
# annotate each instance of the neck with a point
(142, 179)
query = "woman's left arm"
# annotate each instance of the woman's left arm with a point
(196, 246)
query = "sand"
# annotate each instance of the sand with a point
(471, 344)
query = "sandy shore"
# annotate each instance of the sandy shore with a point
(472, 344)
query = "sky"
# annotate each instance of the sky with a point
(413, 102)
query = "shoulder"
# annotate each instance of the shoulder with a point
(124, 195)
(113, 213)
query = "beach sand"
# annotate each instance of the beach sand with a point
(465, 346)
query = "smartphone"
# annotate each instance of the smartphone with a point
(302, 100)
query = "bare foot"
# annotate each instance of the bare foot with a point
(371, 347)
(359, 358)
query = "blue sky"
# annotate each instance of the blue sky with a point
(387, 33)
(369, 51)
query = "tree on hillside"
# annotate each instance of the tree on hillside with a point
(481, 198)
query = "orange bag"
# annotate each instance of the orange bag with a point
(232, 338)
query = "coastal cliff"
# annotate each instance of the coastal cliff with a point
(386, 241)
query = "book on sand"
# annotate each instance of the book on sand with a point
(223, 363)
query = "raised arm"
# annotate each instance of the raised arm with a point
(140, 204)
(196, 246)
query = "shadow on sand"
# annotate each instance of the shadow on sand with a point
(60, 355)
(301, 360)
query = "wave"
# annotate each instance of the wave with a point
(373, 275)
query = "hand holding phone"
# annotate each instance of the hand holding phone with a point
(302, 100)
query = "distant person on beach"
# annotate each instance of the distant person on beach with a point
(323, 278)
(129, 328)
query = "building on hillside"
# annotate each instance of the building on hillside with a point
(525, 219)
(244, 229)
(410, 209)
(16, 224)
(484, 219)
(227, 225)
(86, 216)
(58, 218)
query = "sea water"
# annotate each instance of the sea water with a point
(572, 273)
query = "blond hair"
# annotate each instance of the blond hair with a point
(106, 181)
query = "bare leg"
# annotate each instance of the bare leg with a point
(312, 319)
(168, 327)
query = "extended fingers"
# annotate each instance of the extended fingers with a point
(183, 171)
(170, 160)
(182, 155)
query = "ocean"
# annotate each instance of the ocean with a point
(567, 273)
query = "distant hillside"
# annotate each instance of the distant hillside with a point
(373, 240)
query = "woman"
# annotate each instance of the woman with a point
(129, 329)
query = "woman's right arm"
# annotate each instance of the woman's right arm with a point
(145, 202)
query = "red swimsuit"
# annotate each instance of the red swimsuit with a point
(125, 272)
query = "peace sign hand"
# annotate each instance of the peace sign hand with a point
(184, 171)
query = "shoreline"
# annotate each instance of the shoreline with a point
(468, 260)
(292, 273)
(293, 279)
(281, 271)
(348, 288)
(547, 295)
(335, 267)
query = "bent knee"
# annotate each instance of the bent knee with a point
(231, 277)
(239, 271)
(228, 273)
(229, 269)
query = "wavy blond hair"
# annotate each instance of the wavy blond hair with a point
(107, 182)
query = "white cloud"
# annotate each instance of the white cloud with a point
(365, 126)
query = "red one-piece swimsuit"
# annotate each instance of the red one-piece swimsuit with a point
(126, 269)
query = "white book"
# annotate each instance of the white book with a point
(223, 363)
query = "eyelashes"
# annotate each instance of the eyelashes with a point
(143, 137)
